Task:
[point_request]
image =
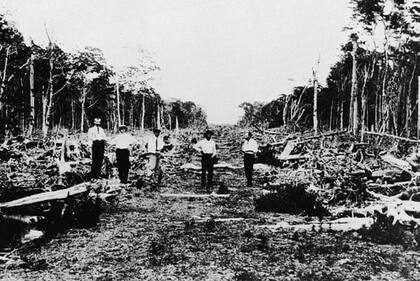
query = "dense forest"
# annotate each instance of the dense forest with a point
(373, 85)
(45, 87)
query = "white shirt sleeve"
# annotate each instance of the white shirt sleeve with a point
(214, 148)
(113, 140)
(197, 146)
(90, 135)
(132, 139)
(254, 146)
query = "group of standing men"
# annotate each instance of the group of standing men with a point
(207, 148)
(123, 142)
(155, 144)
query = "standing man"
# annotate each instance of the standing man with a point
(97, 138)
(207, 148)
(249, 148)
(154, 146)
(122, 142)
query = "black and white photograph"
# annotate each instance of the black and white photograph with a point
(243, 140)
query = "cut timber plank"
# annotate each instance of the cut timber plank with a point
(48, 196)
(191, 195)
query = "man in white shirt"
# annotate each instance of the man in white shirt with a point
(154, 147)
(249, 148)
(123, 142)
(97, 137)
(207, 148)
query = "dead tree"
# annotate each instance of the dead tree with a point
(117, 90)
(48, 96)
(31, 96)
(3, 80)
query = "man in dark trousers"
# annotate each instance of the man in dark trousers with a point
(122, 143)
(154, 146)
(249, 148)
(97, 138)
(207, 148)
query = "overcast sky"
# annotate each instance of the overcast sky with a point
(217, 53)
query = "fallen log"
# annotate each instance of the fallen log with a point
(287, 150)
(392, 136)
(286, 154)
(191, 195)
(48, 196)
(342, 224)
(399, 163)
(191, 166)
(398, 209)
(268, 132)
(329, 134)
(389, 186)
(205, 219)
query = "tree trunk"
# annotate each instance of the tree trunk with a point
(31, 97)
(73, 115)
(143, 110)
(408, 102)
(331, 114)
(82, 115)
(3, 79)
(176, 124)
(47, 116)
(364, 101)
(418, 108)
(44, 110)
(158, 116)
(285, 110)
(315, 110)
(353, 113)
(118, 102)
(132, 116)
(341, 111)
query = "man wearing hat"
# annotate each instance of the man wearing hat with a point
(249, 148)
(154, 147)
(97, 137)
(123, 142)
(207, 148)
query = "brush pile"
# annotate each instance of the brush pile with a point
(352, 179)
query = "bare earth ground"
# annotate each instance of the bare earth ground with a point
(149, 237)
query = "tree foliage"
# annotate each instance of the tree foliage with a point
(387, 72)
(70, 89)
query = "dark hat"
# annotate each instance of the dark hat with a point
(208, 132)
(156, 130)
